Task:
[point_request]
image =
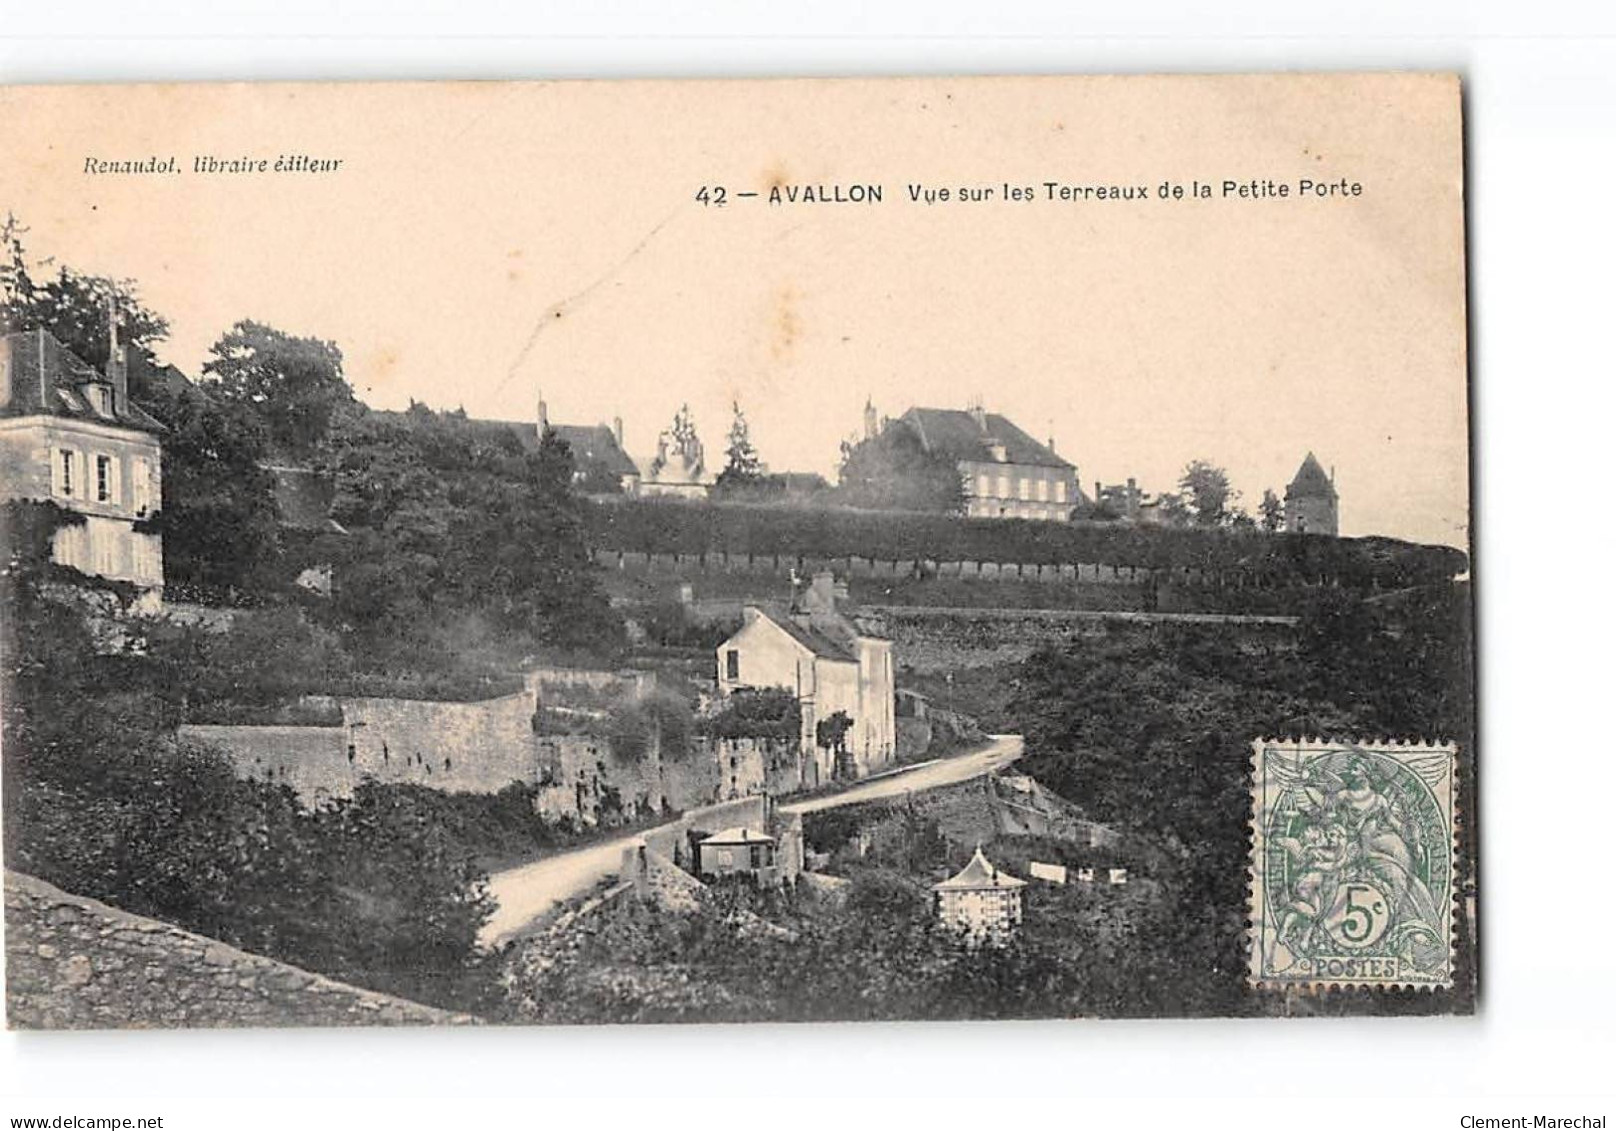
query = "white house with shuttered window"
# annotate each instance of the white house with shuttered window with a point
(70, 435)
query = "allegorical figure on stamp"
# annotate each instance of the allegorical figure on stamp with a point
(1352, 866)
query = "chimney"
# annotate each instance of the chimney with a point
(979, 414)
(544, 415)
(117, 362)
(869, 419)
(617, 429)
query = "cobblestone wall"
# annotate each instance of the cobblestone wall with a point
(74, 963)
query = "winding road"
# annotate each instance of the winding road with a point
(528, 892)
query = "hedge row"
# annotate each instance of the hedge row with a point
(825, 533)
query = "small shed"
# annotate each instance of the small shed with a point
(980, 901)
(739, 849)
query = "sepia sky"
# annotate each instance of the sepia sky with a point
(482, 242)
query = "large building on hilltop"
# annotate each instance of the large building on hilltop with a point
(1006, 473)
(842, 678)
(1311, 503)
(71, 436)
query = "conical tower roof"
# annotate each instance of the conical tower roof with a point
(979, 875)
(1311, 481)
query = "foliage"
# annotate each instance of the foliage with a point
(742, 467)
(449, 520)
(294, 385)
(827, 534)
(670, 624)
(767, 712)
(219, 520)
(1207, 492)
(830, 733)
(893, 470)
(71, 306)
(1272, 511)
(661, 717)
(1152, 731)
(102, 801)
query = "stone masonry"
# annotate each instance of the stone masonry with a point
(74, 963)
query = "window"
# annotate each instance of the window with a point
(64, 472)
(101, 398)
(1004, 486)
(1060, 490)
(104, 486)
(141, 474)
(1025, 487)
(1043, 490)
(984, 486)
(732, 664)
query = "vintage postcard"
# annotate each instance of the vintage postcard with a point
(698, 551)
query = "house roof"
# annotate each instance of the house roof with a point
(979, 875)
(155, 375)
(738, 835)
(597, 444)
(304, 499)
(964, 435)
(1311, 482)
(812, 637)
(590, 443)
(60, 392)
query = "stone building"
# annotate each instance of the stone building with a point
(1311, 503)
(981, 902)
(1005, 472)
(738, 851)
(843, 679)
(679, 468)
(71, 436)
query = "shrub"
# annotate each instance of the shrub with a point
(827, 533)
(768, 712)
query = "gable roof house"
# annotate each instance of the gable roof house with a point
(1006, 473)
(1311, 503)
(70, 435)
(841, 676)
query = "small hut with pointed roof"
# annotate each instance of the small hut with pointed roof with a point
(980, 901)
(1311, 502)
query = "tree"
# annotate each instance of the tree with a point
(74, 307)
(1272, 511)
(1207, 492)
(1172, 509)
(893, 470)
(219, 519)
(742, 467)
(294, 384)
(449, 520)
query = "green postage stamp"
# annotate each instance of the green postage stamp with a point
(1352, 864)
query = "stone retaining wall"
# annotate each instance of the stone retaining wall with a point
(75, 963)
